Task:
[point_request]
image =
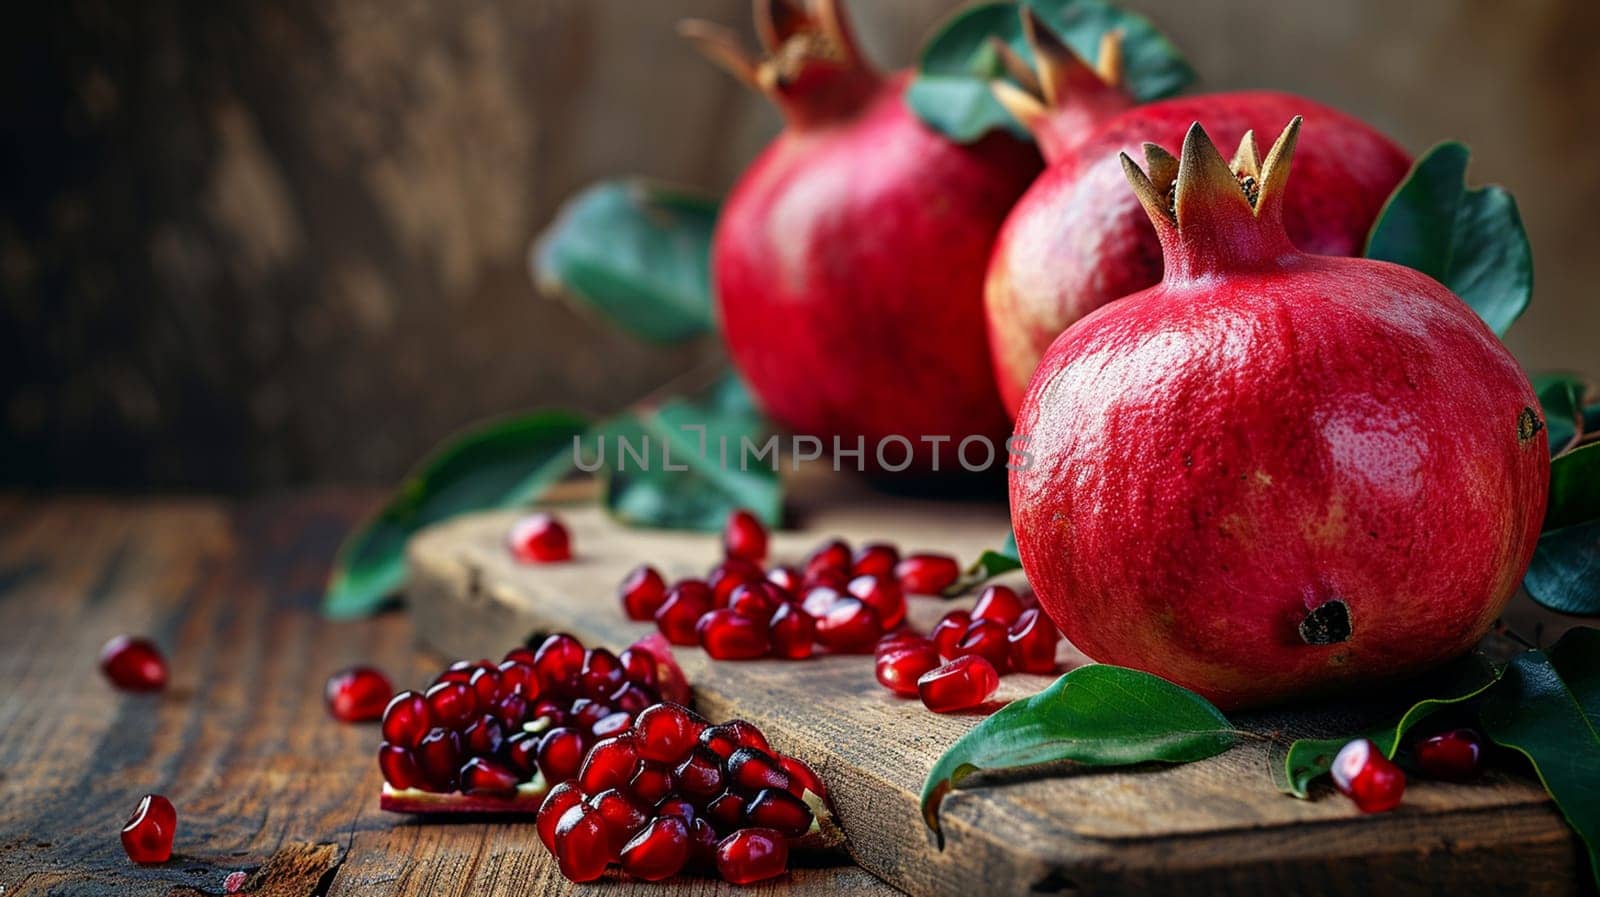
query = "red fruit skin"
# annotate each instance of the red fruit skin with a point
(147, 836)
(1078, 239)
(1266, 431)
(849, 264)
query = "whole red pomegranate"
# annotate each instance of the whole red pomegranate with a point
(1077, 238)
(1274, 473)
(849, 260)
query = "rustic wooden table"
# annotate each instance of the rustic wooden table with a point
(264, 781)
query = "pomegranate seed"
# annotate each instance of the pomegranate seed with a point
(1450, 756)
(611, 763)
(848, 625)
(988, 639)
(612, 724)
(703, 840)
(451, 704)
(406, 719)
(875, 559)
(558, 661)
(561, 753)
(399, 767)
(883, 595)
(961, 684)
(1362, 773)
(484, 776)
(561, 798)
(640, 668)
(831, 556)
(792, 633)
(518, 678)
(652, 782)
(900, 638)
(522, 752)
(512, 711)
(726, 810)
(786, 578)
(583, 843)
(234, 882)
(752, 855)
(485, 683)
(729, 575)
(519, 655)
(586, 713)
(899, 669)
(802, 777)
(837, 580)
(550, 711)
(133, 664)
(676, 806)
(1033, 643)
(438, 756)
(728, 635)
(927, 574)
(601, 673)
(725, 738)
(998, 603)
(779, 810)
(949, 631)
(752, 769)
(660, 850)
(666, 733)
(745, 537)
(147, 837)
(539, 539)
(756, 600)
(484, 737)
(630, 698)
(700, 776)
(682, 611)
(642, 593)
(623, 814)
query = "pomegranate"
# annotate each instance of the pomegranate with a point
(961, 684)
(539, 539)
(849, 259)
(147, 836)
(1362, 773)
(1078, 240)
(358, 694)
(1452, 756)
(133, 664)
(1274, 473)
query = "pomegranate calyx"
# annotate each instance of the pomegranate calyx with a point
(1062, 97)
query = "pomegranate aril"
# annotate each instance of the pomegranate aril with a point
(512, 711)
(792, 633)
(358, 694)
(147, 836)
(550, 711)
(451, 704)
(639, 667)
(1452, 756)
(518, 655)
(558, 661)
(484, 736)
(802, 777)
(927, 574)
(752, 769)
(756, 600)
(1362, 773)
(683, 609)
(725, 738)
(660, 850)
(752, 855)
(837, 580)
(485, 684)
(998, 603)
(630, 698)
(1034, 640)
(652, 783)
(666, 733)
(883, 595)
(676, 806)
(832, 556)
(703, 840)
(729, 575)
(726, 811)
(482, 775)
(583, 846)
(522, 752)
(948, 632)
(848, 625)
(438, 756)
(779, 810)
(728, 635)
(786, 578)
(899, 668)
(624, 815)
(601, 673)
(961, 684)
(612, 724)
(611, 763)
(642, 593)
(539, 539)
(744, 537)
(133, 664)
(561, 753)
(561, 798)
(700, 776)
(989, 639)
(900, 638)
(406, 719)
(875, 559)
(399, 767)
(518, 678)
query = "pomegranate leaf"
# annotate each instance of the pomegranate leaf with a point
(1470, 240)
(1574, 488)
(1544, 708)
(993, 562)
(1562, 397)
(1565, 573)
(501, 464)
(951, 90)
(1309, 758)
(1096, 715)
(638, 253)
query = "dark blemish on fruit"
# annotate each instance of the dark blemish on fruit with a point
(1327, 624)
(1528, 424)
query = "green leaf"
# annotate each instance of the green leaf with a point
(1561, 397)
(637, 252)
(1565, 573)
(1576, 656)
(501, 464)
(1535, 712)
(951, 90)
(644, 486)
(993, 562)
(1574, 488)
(1309, 758)
(1470, 240)
(1097, 715)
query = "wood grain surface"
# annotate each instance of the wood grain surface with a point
(265, 782)
(1216, 827)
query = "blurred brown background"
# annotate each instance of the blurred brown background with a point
(252, 244)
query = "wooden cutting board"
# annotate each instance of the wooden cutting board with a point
(1214, 827)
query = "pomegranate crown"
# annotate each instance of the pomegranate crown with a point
(1210, 212)
(1061, 96)
(812, 68)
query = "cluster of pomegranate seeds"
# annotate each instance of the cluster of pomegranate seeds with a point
(539, 539)
(674, 793)
(1452, 756)
(133, 664)
(486, 735)
(1362, 773)
(358, 694)
(147, 836)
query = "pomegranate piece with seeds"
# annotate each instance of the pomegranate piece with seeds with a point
(1452, 756)
(358, 694)
(745, 537)
(147, 836)
(927, 574)
(539, 539)
(133, 664)
(961, 684)
(1362, 773)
